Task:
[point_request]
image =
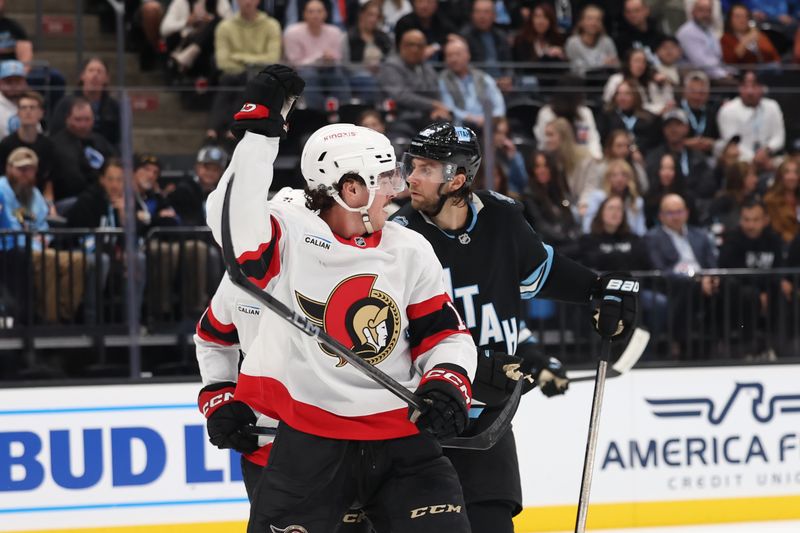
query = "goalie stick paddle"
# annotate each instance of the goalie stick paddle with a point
(482, 441)
(633, 351)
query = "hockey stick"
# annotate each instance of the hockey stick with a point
(591, 440)
(633, 351)
(482, 441)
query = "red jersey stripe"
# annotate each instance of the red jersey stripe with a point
(209, 337)
(270, 396)
(426, 307)
(432, 340)
(219, 326)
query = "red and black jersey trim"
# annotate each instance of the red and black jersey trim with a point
(212, 330)
(432, 321)
(263, 264)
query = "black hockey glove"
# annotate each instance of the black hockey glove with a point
(226, 418)
(616, 296)
(446, 391)
(548, 372)
(497, 375)
(268, 99)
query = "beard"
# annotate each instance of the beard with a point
(24, 194)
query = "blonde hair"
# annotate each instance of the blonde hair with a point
(569, 152)
(627, 169)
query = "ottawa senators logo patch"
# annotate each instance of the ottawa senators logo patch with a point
(359, 316)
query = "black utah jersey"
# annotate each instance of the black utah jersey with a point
(488, 266)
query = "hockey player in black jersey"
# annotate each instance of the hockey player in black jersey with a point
(492, 258)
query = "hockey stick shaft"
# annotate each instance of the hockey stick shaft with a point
(591, 440)
(301, 322)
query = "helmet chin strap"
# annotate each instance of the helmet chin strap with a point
(364, 211)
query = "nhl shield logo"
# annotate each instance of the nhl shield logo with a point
(362, 318)
(360, 241)
(464, 238)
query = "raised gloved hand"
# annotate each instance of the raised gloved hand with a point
(616, 296)
(548, 372)
(497, 375)
(268, 99)
(227, 418)
(446, 391)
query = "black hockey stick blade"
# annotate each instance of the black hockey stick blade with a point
(482, 441)
(301, 322)
(633, 351)
(491, 435)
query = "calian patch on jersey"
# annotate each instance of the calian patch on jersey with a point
(362, 318)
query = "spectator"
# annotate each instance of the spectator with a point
(488, 45)
(189, 197)
(610, 245)
(31, 111)
(741, 182)
(144, 19)
(700, 112)
(250, 37)
(80, 151)
(692, 166)
(413, 85)
(729, 155)
(539, 41)
(618, 180)
(568, 103)
(668, 57)
(637, 31)
(188, 30)
(154, 209)
(752, 244)
(547, 205)
(620, 146)
(701, 46)
(668, 181)
(466, 90)
(775, 11)
(12, 85)
(93, 86)
(25, 209)
(678, 248)
(742, 43)
(315, 48)
(426, 18)
(654, 89)
(372, 119)
(574, 160)
(368, 47)
(625, 112)
(782, 201)
(589, 48)
(509, 175)
(394, 10)
(14, 41)
(758, 122)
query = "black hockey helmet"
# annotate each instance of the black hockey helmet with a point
(455, 146)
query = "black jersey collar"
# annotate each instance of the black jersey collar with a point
(475, 206)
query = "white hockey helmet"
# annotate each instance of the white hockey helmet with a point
(338, 149)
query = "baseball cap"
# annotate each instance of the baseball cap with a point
(212, 154)
(22, 156)
(675, 114)
(11, 68)
(145, 159)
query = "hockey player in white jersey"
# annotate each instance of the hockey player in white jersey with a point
(343, 439)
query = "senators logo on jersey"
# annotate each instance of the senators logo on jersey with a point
(359, 316)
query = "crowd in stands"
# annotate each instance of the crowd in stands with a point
(637, 134)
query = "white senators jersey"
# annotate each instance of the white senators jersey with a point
(381, 295)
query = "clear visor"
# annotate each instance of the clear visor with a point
(422, 169)
(390, 182)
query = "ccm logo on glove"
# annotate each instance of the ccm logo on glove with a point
(252, 112)
(622, 285)
(210, 401)
(453, 378)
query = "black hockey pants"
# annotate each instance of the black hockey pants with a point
(402, 485)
